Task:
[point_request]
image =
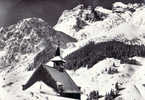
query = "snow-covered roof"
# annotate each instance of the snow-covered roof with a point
(58, 59)
(51, 75)
(62, 77)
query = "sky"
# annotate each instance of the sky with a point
(4, 7)
(13, 10)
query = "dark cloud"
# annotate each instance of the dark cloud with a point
(13, 10)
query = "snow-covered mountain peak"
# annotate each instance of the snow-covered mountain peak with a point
(28, 36)
(31, 22)
(124, 20)
(76, 19)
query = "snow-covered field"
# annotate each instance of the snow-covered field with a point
(131, 78)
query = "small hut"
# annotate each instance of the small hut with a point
(55, 77)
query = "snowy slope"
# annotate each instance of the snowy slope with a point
(130, 76)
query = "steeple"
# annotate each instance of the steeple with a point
(57, 53)
(58, 60)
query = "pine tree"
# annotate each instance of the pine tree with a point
(117, 86)
(94, 95)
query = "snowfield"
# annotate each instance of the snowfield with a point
(131, 78)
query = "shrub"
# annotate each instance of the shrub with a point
(112, 95)
(132, 61)
(112, 70)
(94, 95)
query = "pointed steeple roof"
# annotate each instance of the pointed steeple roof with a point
(57, 53)
(58, 57)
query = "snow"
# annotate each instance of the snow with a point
(2, 53)
(57, 58)
(96, 79)
(119, 4)
(18, 77)
(3, 94)
(103, 10)
(123, 26)
(69, 25)
(93, 77)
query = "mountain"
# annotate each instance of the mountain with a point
(107, 49)
(108, 3)
(92, 23)
(104, 48)
(29, 36)
(116, 33)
